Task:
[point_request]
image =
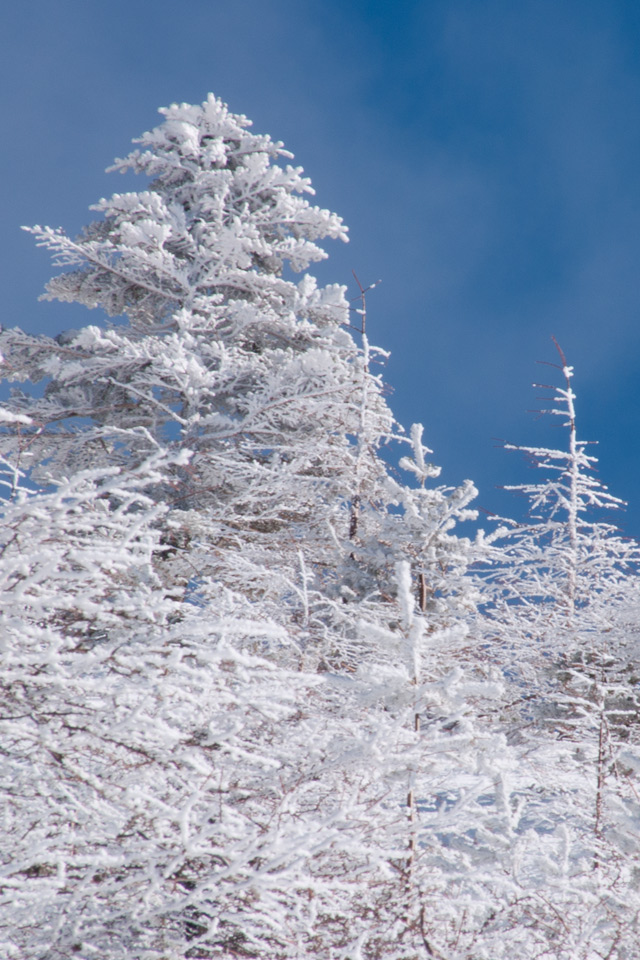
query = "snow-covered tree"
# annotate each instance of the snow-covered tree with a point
(561, 596)
(233, 723)
(217, 350)
(562, 576)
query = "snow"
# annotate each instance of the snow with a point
(259, 696)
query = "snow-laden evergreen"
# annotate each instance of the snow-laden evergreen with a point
(254, 704)
(221, 765)
(223, 354)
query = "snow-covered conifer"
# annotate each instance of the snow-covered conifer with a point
(558, 599)
(242, 727)
(218, 350)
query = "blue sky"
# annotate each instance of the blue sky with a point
(484, 153)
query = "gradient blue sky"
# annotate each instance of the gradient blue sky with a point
(485, 154)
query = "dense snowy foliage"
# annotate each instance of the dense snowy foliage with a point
(259, 697)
